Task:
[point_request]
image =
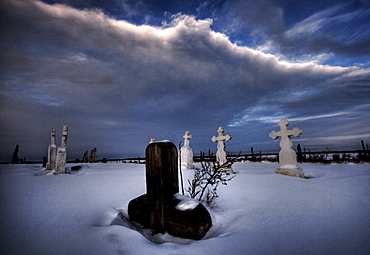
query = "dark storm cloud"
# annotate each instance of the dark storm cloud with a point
(117, 84)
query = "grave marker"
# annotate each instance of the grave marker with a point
(159, 208)
(85, 158)
(15, 157)
(62, 153)
(221, 152)
(52, 152)
(186, 152)
(287, 156)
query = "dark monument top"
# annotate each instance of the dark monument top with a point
(161, 179)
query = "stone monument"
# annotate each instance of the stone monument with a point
(93, 157)
(287, 156)
(52, 152)
(85, 158)
(186, 153)
(221, 152)
(62, 153)
(15, 157)
(162, 209)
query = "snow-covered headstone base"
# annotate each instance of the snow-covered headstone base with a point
(290, 171)
(53, 172)
(184, 217)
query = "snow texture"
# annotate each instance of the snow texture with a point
(259, 212)
(186, 203)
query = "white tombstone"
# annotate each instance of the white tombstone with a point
(186, 153)
(221, 152)
(62, 153)
(52, 152)
(287, 156)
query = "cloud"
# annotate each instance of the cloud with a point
(339, 30)
(107, 76)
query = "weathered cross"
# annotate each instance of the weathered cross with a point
(221, 138)
(64, 135)
(285, 134)
(187, 138)
(52, 152)
(287, 156)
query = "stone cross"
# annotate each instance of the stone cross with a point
(187, 138)
(62, 153)
(52, 152)
(186, 152)
(287, 156)
(220, 139)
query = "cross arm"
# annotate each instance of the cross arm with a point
(273, 134)
(214, 138)
(297, 131)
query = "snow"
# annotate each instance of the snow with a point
(186, 203)
(259, 212)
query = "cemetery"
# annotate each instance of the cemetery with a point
(173, 202)
(224, 127)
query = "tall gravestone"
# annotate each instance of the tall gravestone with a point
(93, 157)
(52, 152)
(15, 157)
(62, 153)
(221, 158)
(287, 156)
(186, 153)
(85, 158)
(162, 209)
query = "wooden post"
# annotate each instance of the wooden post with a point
(161, 180)
(299, 154)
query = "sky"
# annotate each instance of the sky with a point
(120, 72)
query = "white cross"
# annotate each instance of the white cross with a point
(187, 138)
(221, 153)
(285, 134)
(221, 137)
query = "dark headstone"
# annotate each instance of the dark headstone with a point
(15, 158)
(156, 209)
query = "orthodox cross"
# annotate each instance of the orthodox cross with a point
(285, 134)
(221, 138)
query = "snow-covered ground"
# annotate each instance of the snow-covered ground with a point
(259, 212)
